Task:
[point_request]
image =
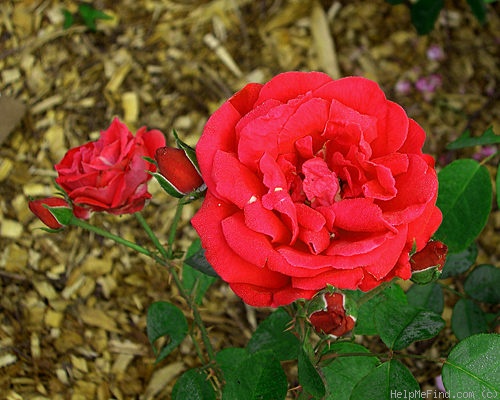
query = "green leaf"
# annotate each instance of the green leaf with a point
(195, 282)
(167, 186)
(400, 327)
(458, 263)
(258, 377)
(199, 262)
(483, 284)
(465, 200)
(228, 360)
(473, 367)
(393, 296)
(309, 378)
(478, 8)
(343, 373)
(468, 319)
(429, 297)
(391, 380)
(90, 15)
(193, 385)
(465, 140)
(69, 19)
(424, 14)
(165, 319)
(64, 215)
(272, 334)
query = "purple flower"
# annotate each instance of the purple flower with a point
(428, 84)
(435, 53)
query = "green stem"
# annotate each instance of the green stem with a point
(152, 235)
(173, 228)
(168, 255)
(163, 260)
(444, 286)
(134, 246)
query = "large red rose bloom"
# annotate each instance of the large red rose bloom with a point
(313, 181)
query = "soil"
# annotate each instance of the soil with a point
(72, 304)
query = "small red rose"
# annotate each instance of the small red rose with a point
(110, 174)
(39, 208)
(178, 170)
(427, 264)
(333, 320)
(313, 182)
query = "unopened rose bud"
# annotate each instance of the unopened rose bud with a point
(427, 264)
(41, 210)
(333, 319)
(178, 170)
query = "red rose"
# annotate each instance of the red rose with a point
(110, 174)
(39, 208)
(427, 264)
(313, 181)
(333, 320)
(178, 170)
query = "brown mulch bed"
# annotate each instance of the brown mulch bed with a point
(72, 305)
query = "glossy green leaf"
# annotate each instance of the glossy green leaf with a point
(199, 262)
(228, 360)
(341, 374)
(473, 367)
(309, 378)
(165, 320)
(468, 319)
(273, 334)
(258, 377)
(465, 200)
(466, 140)
(429, 297)
(393, 296)
(483, 284)
(458, 263)
(478, 8)
(193, 385)
(424, 14)
(400, 327)
(391, 380)
(195, 282)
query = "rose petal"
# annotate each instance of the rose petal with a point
(290, 85)
(342, 279)
(238, 191)
(320, 184)
(265, 221)
(359, 215)
(229, 265)
(218, 135)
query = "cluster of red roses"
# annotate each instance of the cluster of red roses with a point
(310, 182)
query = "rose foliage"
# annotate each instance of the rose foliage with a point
(110, 174)
(313, 182)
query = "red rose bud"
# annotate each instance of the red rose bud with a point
(178, 170)
(333, 320)
(39, 208)
(427, 264)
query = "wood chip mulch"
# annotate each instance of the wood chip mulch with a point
(72, 305)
